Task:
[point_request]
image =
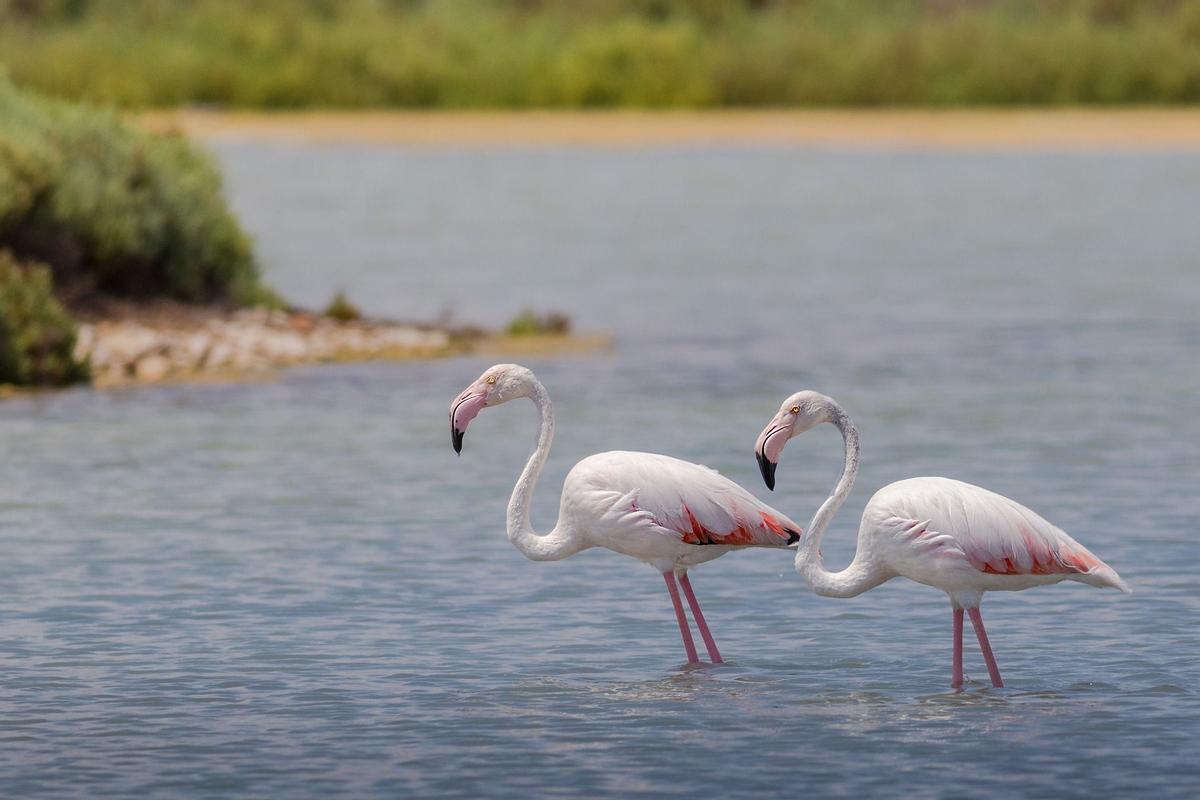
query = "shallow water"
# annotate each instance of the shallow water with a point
(294, 589)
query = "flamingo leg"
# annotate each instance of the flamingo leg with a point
(698, 615)
(684, 630)
(981, 634)
(956, 677)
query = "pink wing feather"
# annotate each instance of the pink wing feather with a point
(994, 534)
(696, 504)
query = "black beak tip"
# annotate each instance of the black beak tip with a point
(767, 468)
(456, 438)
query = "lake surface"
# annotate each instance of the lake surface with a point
(295, 589)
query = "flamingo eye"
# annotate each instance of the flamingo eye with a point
(795, 409)
(491, 379)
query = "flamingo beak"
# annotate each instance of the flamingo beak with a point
(768, 448)
(464, 409)
(767, 467)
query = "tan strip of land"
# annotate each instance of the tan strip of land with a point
(1054, 130)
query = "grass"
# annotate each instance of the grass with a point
(605, 53)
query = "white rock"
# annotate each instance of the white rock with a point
(152, 368)
(219, 356)
(284, 346)
(196, 345)
(85, 341)
(253, 339)
(244, 358)
(129, 341)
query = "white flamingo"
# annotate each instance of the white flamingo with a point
(943, 533)
(668, 513)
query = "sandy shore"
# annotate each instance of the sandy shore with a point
(1048, 130)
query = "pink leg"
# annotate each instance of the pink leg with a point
(713, 653)
(684, 631)
(956, 677)
(981, 634)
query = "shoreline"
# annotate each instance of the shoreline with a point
(1051, 130)
(171, 342)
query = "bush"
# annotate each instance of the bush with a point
(117, 211)
(37, 336)
(523, 53)
(341, 309)
(528, 323)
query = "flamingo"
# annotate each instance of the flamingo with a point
(953, 536)
(671, 514)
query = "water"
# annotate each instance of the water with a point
(294, 589)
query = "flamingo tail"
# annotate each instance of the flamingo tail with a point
(1104, 576)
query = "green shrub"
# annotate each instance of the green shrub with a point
(523, 53)
(37, 336)
(114, 210)
(527, 323)
(341, 309)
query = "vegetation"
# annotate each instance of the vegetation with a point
(595, 53)
(527, 323)
(341, 309)
(89, 208)
(37, 336)
(116, 211)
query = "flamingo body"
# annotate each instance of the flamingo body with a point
(953, 536)
(966, 540)
(669, 513)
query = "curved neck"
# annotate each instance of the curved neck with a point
(558, 543)
(861, 575)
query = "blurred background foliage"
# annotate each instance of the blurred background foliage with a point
(115, 211)
(92, 209)
(37, 335)
(604, 53)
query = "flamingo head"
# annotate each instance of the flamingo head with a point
(799, 413)
(498, 384)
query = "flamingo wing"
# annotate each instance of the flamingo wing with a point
(693, 503)
(995, 535)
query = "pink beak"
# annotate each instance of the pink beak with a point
(464, 409)
(770, 445)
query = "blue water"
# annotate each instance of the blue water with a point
(295, 589)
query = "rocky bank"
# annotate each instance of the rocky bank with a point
(157, 347)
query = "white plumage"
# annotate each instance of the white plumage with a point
(668, 513)
(967, 540)
(954, 536)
